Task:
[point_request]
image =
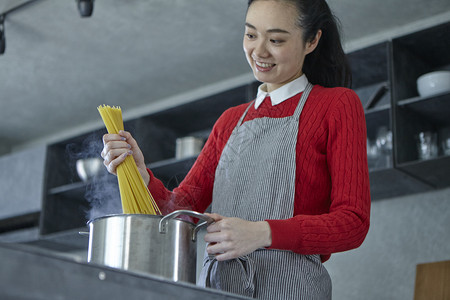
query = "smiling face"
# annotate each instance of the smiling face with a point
(273, 43)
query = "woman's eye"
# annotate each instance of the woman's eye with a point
(250, 36)
(276, 41)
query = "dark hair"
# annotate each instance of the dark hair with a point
(327, 65)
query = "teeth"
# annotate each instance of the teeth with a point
(264, 65)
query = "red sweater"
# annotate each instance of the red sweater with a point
(332, 198)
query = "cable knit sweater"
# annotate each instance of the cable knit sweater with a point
(332, 198)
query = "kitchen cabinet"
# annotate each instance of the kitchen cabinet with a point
(372, 81)
(416, 54)
(384, 77)
(432, 281)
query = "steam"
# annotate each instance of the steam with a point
(103, 195)
(102, 191)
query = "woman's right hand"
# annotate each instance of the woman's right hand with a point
(116, 147)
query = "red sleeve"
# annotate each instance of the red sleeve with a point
(346, 223)
(195, 191)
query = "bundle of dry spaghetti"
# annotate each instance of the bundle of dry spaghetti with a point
(136, 198)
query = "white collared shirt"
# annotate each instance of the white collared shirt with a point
(282, 93)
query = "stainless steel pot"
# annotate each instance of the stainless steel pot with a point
(163, 246)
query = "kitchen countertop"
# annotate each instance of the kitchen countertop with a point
(28, 272)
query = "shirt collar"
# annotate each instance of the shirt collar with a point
(282, 93)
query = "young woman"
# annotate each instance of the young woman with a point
(286, 175)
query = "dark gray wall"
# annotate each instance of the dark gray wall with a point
(404, 232)
(21, 181)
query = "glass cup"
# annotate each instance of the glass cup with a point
(372, 155)
(444, 137)
(427, 146)
(383, 142)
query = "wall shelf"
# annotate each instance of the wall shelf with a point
(434, 172)
(436, 108)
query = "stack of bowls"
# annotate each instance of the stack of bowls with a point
(433, 83)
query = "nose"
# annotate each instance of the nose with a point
(261, 50)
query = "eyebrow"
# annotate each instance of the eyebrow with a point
(274, 30)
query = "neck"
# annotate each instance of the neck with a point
(273, 86)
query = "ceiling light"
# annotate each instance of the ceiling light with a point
(85, 7)
(2, 35)
(2, 22)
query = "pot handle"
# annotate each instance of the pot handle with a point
(207, 220)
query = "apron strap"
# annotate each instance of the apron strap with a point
(244, 114)
(298, 110)
(211, 263)
(247, 267)
(302, 101)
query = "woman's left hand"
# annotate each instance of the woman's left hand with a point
(233, 237)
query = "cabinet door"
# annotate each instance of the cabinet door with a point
(432, 281)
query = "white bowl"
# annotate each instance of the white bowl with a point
(88, 168)
(433, 83)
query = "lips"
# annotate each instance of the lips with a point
(263, 66)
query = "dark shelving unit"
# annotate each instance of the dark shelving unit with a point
(414, 55)
(68, 201)
(371, 69)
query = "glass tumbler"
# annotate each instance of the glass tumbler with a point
(444, 136)
(427, 146)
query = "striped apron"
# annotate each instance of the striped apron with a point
(255, 180)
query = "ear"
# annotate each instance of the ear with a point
(311, 45)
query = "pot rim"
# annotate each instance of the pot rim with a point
(132, 215)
